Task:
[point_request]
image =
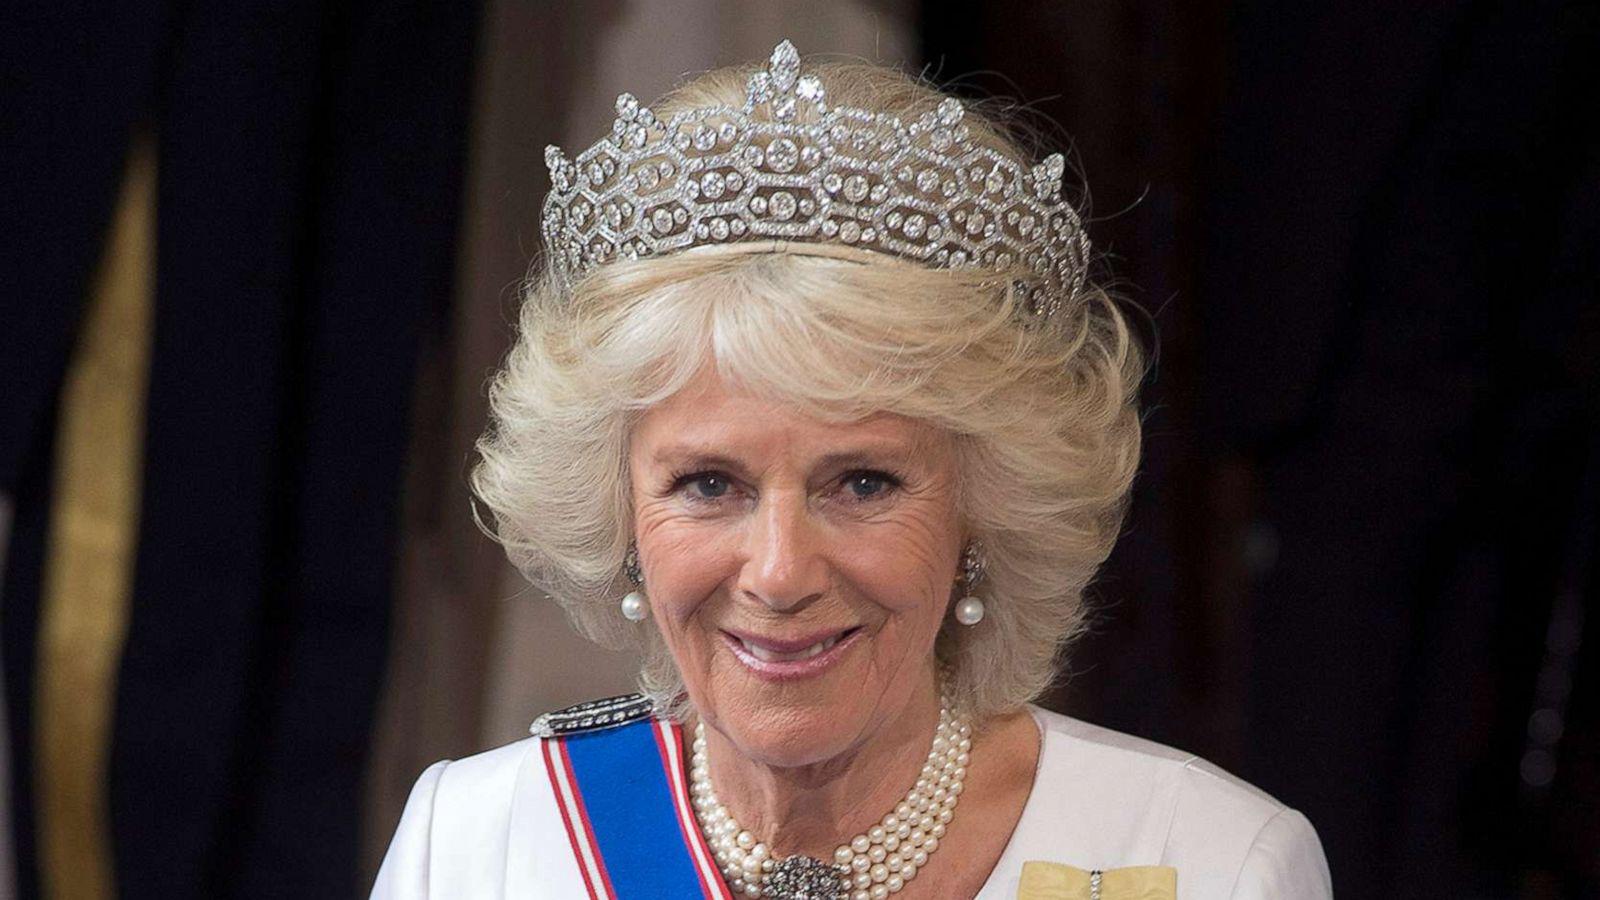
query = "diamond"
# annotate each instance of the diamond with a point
(719, 229)
(855, 188)
(782, 154)
(914, 226)
(880, 193)
(759, 88)
(627, 106)
(831, 182)
(849, 231)
(712, 185)
(784, 65)
(727, 132)
(809, 87)
(704, 138)
(950, 111)
(941, 139)
(927, 180)
(805, 877)
(782, 206)
(810, 155)
(784, 109)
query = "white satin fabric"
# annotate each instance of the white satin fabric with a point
(488, 826)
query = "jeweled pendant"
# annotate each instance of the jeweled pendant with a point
(804, 878)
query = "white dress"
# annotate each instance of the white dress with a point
(489, 827)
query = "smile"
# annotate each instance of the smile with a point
(793, 658)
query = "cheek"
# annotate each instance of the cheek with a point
(907, 569)
(685, 561)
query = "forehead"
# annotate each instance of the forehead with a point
(709, 417)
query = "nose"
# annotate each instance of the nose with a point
(785, 568)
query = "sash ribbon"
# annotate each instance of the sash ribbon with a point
(624, 799)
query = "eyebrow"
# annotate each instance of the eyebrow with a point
(689, 454)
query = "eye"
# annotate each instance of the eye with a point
(869, 485)
(703, 485)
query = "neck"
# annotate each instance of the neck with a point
(810, 810)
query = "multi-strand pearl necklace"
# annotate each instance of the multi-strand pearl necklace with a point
(872, 865)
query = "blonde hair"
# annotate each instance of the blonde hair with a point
(1044, 419)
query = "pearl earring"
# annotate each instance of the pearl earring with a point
(634, 606)
(969, 609)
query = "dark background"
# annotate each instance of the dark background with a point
(1361, 556)
(1359, 566)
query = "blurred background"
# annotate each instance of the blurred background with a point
(260, 259)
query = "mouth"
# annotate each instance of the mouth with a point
(786, 658)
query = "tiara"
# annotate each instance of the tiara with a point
(717, 175)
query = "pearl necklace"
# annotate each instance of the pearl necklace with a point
(870, 866)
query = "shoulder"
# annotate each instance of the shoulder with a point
(1227, 838)
(458, 810)
(1130, 760)
(491, 824)
(484, 783)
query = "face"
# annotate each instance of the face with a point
(799, 570)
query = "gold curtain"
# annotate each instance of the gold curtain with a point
(93, 535)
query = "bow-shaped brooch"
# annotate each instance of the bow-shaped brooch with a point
(1054, 881)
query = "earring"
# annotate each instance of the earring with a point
(969, 609)
(634, 607)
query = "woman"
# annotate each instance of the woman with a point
(814, 407)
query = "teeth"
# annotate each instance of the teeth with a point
(766, 655)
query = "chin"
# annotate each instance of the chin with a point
(791, 738)
(790, 723)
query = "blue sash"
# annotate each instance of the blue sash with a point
(623, 794)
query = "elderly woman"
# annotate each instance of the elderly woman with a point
(814, 408)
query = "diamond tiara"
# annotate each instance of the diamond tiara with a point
(716, 175)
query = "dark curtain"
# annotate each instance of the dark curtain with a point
(1358, 569)
(310, 165)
